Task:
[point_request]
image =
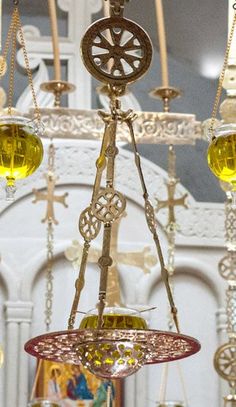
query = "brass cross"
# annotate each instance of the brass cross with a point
(144, 259)
(172, 202)
(50, 198)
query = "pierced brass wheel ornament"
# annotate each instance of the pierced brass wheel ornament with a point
(227, 266)
(225, 361)
(109, 205)
(128, 50)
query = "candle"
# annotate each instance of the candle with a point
(108, 33)
(55, 39)
(162, 43)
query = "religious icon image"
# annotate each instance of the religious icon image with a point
(74, 386)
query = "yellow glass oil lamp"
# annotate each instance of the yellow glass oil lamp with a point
(222, 154)
(21, 150)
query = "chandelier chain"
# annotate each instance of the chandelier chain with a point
(12, 63)
(7, 45)
(152, 227)
(50, 248)
(221, 78)
(27, 66)
(49, 275)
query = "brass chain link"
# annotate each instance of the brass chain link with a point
(16, 27)
(221, 78)
(50, 249)
(27, 66)
(49, 276)
(12, 62)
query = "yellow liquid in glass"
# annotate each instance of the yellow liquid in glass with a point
(21, 151)
(114, 321)
(222, 158)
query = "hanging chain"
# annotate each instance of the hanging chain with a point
(221, 79)
(12, 62)
(151, 221)
(27, 66)
(50, 248)
(16, 27)
(49, 276)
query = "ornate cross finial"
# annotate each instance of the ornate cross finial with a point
(50, 198)
(172, 202)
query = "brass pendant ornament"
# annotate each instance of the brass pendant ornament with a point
(106, 348)
(130, 59)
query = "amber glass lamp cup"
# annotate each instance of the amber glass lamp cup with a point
(21, 150)
(222, 155)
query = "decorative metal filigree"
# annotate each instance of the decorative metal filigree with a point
(130, 58)
(160, 346)
(150, 216)
(89, 225)
(231, 310)
(227, 266)
(224, 362)
(109, 205)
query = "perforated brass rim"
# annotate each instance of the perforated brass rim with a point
(160, 346)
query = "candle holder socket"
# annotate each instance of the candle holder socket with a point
(57, 87)
(166, 94)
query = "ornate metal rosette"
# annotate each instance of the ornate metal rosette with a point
(109, 205)
(159, 346)
(225, 361)
(227, 266)
(89, 225)
(119, 58)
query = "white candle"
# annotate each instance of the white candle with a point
(162, 43)
(55, 39)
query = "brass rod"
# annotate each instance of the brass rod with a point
(79, 285)
(104, 262)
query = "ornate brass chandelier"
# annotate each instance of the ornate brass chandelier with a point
(113, 342)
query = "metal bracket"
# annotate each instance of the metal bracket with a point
(117, 7)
